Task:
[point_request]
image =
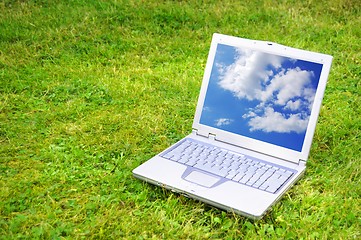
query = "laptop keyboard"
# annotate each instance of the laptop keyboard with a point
(230, 165)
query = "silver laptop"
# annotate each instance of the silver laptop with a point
(253, 127)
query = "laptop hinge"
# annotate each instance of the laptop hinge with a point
(211, 136)
(200, 133)
(302, 162)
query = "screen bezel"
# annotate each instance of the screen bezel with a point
(250, 143)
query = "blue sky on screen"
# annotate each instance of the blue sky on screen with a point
(262, 96)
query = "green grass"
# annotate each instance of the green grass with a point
(91, 89)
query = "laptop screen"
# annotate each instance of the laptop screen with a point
(262, 96)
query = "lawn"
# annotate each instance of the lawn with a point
(91, 89)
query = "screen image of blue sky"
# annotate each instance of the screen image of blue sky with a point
(262, 96)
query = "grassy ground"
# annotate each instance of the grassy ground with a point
(91, 89)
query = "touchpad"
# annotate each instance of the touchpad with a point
(202, 179)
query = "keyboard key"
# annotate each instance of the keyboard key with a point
(257, 184)
(192, 161)
(223, 172)
(265, 176)
(238, 177)
(273, 187)
(222, 153)
(183, 160)
(235, 165)
(231, 174)
(246, 178)
(205, 167)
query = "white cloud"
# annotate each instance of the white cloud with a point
(249, 78)
(245, 77)
(309, 95)
(249, 114)
(273, 121)
(293, 105)
(207, 109)
(223, 122)
(289, 84)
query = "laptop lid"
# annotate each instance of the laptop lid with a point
(262, 96)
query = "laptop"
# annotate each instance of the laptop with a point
(252, 130)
